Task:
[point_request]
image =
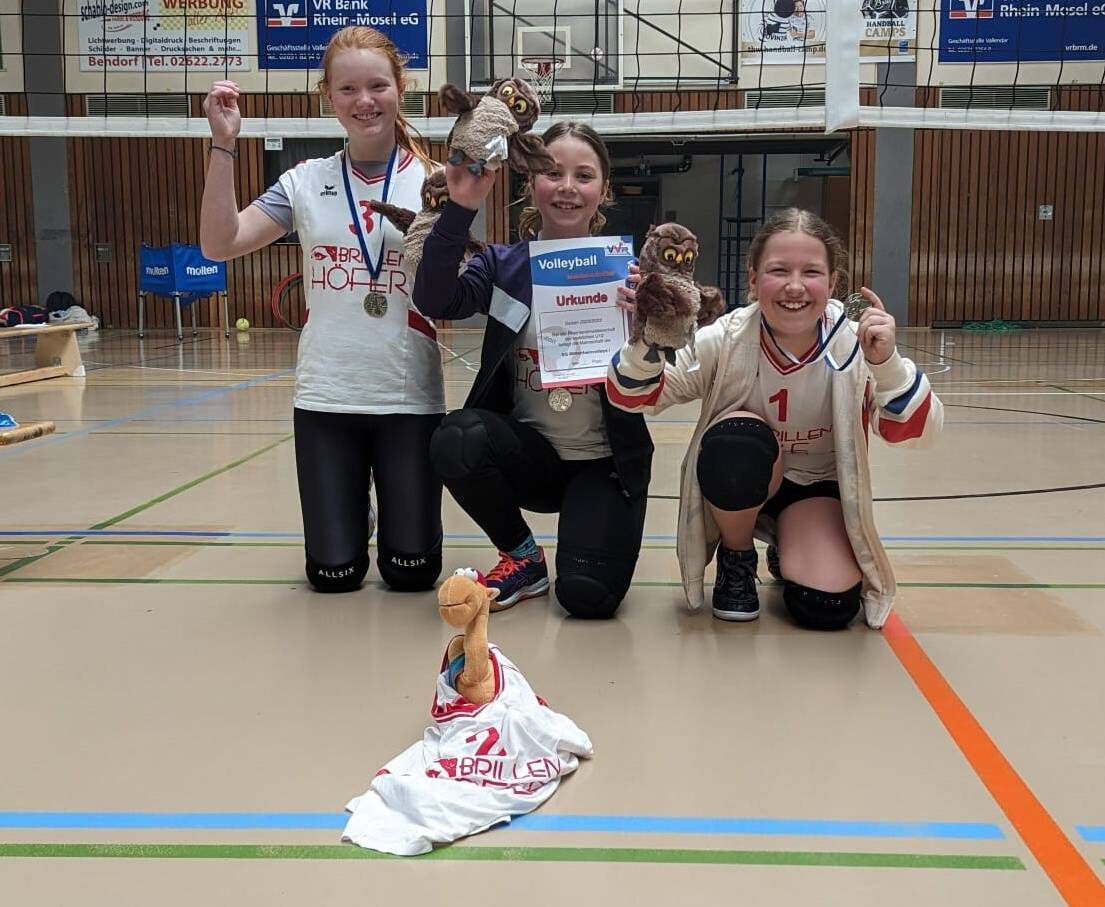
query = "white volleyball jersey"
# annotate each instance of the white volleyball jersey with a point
(796, 400)
(349, 360)
(475, 767)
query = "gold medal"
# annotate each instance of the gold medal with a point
(854, 306)
(376, 305)
(560, 399)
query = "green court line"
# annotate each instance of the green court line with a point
(1078, 393)
(6, 571)
(151, 580)
(514, 855)
(187, 485)
(194, 434)
(1002, 585)
(22, 562)
(188, 543)
(191, 543)
(662, 584)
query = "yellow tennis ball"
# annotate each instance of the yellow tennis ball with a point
(242, 324)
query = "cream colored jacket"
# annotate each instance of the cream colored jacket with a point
(893, 398)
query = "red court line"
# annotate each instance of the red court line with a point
(1069, 872)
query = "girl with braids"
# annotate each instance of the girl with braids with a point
(515, 446)
(790, 387)
(369, 390)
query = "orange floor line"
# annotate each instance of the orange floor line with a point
(1068, 870)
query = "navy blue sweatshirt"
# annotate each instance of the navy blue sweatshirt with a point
(497, 283)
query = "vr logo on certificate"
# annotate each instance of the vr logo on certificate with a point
(579, 325)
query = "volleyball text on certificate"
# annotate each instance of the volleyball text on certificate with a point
(578, 323)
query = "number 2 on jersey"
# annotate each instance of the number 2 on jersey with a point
(488, 743)
(780, 399)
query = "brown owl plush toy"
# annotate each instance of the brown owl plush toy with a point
(416, 226)
(495, 128)
(671, 306)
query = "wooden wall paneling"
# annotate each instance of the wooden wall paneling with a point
(1077, 226)
(923, 190)
(1037, 160)
(1068, 215)
(952, 240)
(915, 246)
(1046, 230)
(1095, 234)
(1088, 201)
(18, 278)
(1000, 198)
(973, 246)
(947, 187)
(938, 290)
(1025, 202)
(981, 251)
(1078, 287)
(1015, 233)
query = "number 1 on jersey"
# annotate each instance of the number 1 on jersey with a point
(781, 400)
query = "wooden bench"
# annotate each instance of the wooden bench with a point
(56, 353)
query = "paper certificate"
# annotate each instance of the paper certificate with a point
(579, 325)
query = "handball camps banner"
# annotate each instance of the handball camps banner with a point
(164, 35)
(790, 31)
(1008, 31)
(292, 34)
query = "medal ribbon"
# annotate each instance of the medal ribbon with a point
(347, 165)
(822, 348)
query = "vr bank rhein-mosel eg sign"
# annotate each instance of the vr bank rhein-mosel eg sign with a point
(215, 35)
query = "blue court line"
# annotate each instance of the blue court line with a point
(693, 825)
(478, 536)
(681, 825)
(144, 414)
(1094, 833)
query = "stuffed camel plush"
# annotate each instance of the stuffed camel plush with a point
(465, 603)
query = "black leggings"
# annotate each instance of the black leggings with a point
(495, 466)
(337, 456)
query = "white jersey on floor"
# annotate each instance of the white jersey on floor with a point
(796, 400)
(349, 361)
(475, 767)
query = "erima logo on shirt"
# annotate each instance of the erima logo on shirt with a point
(327, 190)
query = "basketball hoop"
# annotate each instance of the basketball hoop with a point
(542, 71)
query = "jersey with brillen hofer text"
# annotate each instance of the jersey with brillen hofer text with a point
(351, 360)
(475, 766)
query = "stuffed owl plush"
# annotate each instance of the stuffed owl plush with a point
(495, 128)
(416, 226)
(671, 306)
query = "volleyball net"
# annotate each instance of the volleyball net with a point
(675, 68)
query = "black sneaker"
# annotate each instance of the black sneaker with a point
(773, 563)
(735, 595)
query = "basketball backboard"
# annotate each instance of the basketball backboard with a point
(582, 36)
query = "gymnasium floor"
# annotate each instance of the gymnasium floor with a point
(183, 720)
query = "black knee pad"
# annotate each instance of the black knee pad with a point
(409, 572)
(817, 610)
(591, 587)
(337, 578)
(735, 463)
(459, 445)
